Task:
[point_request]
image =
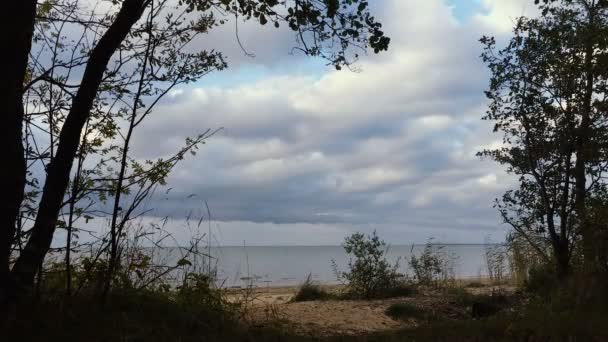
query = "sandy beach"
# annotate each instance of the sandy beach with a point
(274, 305)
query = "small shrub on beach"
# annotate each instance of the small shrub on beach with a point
(310, 290)
(433, 266)
(369, 274)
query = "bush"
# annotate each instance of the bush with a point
(480, 305)
(125, 316)
(198, 289)
(309, 290)
(541, 280)
(432, 266)
(370, 275)
(403, 311)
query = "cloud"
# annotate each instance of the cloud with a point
(500, 15)
(390, 147)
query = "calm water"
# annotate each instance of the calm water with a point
(290, 265)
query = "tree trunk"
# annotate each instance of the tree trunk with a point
(59, 170)
(16, 29)
(562, 256)
(582, 144)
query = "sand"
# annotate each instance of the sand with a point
(272, 306)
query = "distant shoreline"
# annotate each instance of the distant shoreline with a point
(293, 288)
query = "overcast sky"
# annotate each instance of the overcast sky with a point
(309, 154)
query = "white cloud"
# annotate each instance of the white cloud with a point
(392, 145)
(501, 15)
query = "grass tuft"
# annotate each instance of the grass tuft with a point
(309, 291)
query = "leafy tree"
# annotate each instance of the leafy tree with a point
(548, 97)
(124, 61)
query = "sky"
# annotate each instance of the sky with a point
(308, 154)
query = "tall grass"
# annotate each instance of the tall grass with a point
(310, 290)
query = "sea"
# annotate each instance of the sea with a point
(272, 266)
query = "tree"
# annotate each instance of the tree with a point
(16, 38)
(548, 97)
(112, 45)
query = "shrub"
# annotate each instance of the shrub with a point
(369, 274)
(541, 280)
(480, 305)
(403, 311)
(128, 315)
(310, 290)
(432, 266)
(198, 289)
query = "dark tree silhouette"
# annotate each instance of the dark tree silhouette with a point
(16, 40)
(548, 96)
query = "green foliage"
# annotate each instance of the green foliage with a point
(329, 29)
(158, 311)
(154, 53)
(433, 266)
(547, 99)
(369, 274)
(126, 316)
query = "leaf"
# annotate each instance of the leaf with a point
(184, 262)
